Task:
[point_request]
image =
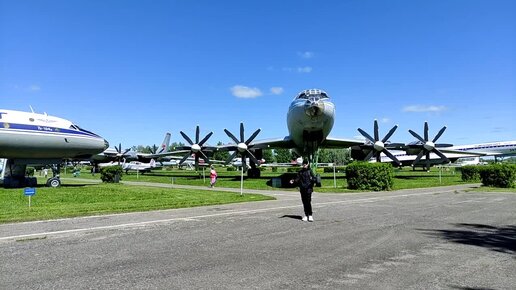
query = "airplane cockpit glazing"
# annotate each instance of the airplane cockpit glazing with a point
(310, 94)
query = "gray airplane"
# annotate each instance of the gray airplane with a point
(39, 139)
(310, 119)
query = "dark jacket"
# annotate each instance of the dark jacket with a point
(305, 179)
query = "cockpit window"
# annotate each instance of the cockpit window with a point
(307, 94)
(75, 127)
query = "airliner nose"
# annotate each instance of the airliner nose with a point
(314, 108)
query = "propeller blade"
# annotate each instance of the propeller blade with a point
(197, 134)
(427, 160)
(205, 139)
(252, 157)
(416, 135)
(369, 155)
(203, 156)
(186, 138)
(378, 158)
(376, 137)
(241, 132)
(231, 157)
(392, 157)
(440, 154)
(184, 158)
(418, 157)
(443, 145)
(389, 134)
(230, 135)
(196, 162)
(253, 136)
(439, 134)
(367, 136)
(426, 131)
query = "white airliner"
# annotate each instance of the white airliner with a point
(39, 139)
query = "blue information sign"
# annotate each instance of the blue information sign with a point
(30, 191)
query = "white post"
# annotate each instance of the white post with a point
(334, 176)
(242, 181)
(440, 170)
(137, 171)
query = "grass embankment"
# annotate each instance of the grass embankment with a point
(80, 200)
(403, 179)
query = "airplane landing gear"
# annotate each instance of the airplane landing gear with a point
(54, 182)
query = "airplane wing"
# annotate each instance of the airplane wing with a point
(340, 143)
(284, 142)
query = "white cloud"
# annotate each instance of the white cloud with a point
(34, 88)
(305, 54)
(245, 92)
(385, 120)
(424, 108)
(276, 90)
(305, 69)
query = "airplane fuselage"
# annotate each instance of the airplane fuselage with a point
(309, 120)
(36, 136)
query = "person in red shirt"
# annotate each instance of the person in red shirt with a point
(213, 176)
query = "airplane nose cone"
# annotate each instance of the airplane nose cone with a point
(314, 108)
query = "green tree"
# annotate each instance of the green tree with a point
(268, 155)
(282, 155)
(220, 155)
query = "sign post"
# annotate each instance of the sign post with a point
(30, 191)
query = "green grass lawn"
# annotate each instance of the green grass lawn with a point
(73, 200)
(403, 179)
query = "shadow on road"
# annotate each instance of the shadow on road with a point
(296, 217)
(500, 239)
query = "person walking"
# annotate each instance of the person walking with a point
(213, 176)
(305, 179)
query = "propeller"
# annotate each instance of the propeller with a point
(196, 148)
(242, 146)
(119, 154)
(154, 149)
(377, 146)
(427, 146)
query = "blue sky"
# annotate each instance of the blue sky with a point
(133, 70)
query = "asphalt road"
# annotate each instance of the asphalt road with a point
(440, 238)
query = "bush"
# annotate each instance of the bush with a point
(231, 168)
(338, 169)
(499, 175)
(111, 174)
(471, 172)
(369, 176)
